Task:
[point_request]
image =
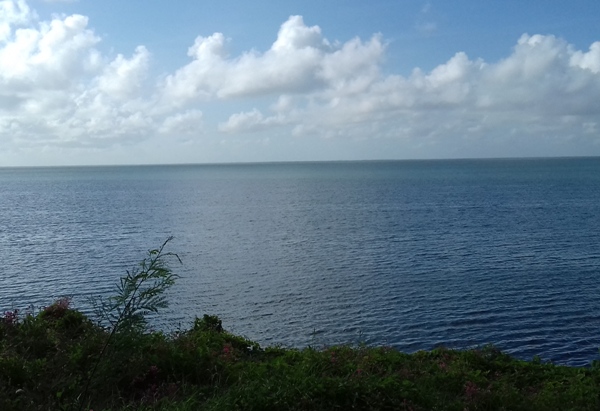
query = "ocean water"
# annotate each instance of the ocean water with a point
(410, 254)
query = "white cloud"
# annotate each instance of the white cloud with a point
(339, 87)
(542, 82)
(123, 78)
(299, 61)
(250, 121)
(49, 56)
(181, 124)
(13, 13)
(58, 90)
(294, 35)
(589, 60)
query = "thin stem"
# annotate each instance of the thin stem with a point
(165, 280)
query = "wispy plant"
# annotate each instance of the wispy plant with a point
(139, 293)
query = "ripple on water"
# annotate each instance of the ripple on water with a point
(407, 254)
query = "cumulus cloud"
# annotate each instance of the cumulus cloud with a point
(250, 121)
(542, 83)
(188, 123)
(13, 13)
(123, 78)
(57, 89)
(589, 60)
(331, 89)
(299, 61)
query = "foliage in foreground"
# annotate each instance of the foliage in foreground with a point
(45, 361)
(58, 359)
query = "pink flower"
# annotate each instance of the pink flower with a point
(11, 317)
(227, 351)
(471, 390)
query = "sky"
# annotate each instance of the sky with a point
(90, 82)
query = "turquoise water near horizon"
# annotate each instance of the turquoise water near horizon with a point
(411, 254)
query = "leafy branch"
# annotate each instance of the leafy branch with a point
(139, 293)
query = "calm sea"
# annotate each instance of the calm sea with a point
(411, 254)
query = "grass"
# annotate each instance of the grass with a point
(59, 359)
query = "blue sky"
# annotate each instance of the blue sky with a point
(132, 82)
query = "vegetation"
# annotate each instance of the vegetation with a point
(59, 359)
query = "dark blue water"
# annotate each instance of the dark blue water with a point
(411, 254)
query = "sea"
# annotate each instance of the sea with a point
(407, 254)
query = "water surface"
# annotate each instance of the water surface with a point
(411, 254)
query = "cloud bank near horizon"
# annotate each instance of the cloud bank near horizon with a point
(58, 91)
